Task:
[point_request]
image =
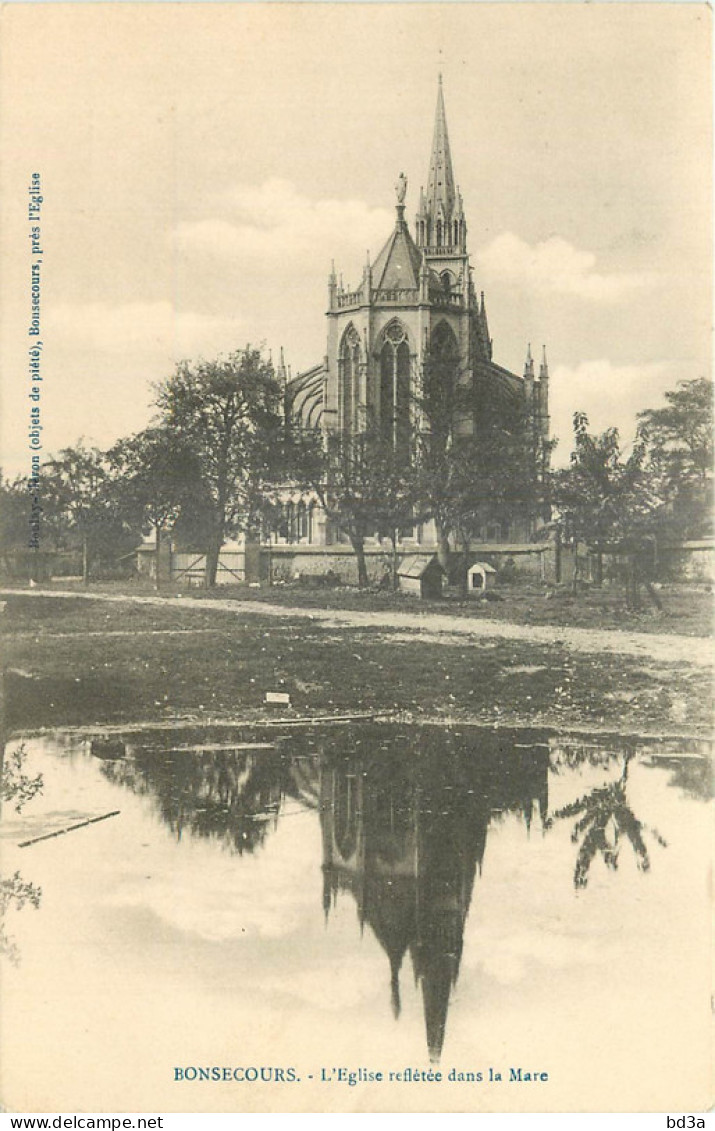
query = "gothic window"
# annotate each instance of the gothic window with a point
(441, 376)
(395, 387)
(456, 231)
(443, 343)
(349, 378)
(447, 282)
(439, 233)
(301, 522)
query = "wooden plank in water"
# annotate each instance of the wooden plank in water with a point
(70, 828)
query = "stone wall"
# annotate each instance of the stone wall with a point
(286, 563)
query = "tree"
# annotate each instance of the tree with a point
(441, 402)
(74, 497)
(228, 412)
(156, 477)
(397, 498)
(609, 502)
(679, 440)
(14, 516)
(17, 788)
(482, 456)
(364, 483)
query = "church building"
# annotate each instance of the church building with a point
(417, 299)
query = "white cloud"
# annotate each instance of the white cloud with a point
(555, 266)
(611, 395)
(139, 327)
(273, 221)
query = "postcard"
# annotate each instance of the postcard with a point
(357, 558)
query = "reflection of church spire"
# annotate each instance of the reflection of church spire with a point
(406, 838)
(395, 985)
(413, 876)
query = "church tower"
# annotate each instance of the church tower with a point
(415, 302)
(417, 297)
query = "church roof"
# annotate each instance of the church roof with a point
(397, 267)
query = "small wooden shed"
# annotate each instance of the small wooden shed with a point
(480, 577)
(421, 575)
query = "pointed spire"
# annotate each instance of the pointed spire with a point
(367, 278)
(544, 369)
(529, 365)
(440, 179)
(332, 286)
(281, 372)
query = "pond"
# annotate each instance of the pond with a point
(220, 918)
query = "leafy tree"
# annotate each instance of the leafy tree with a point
(156, 477)
(679, 440)
(482, 456)
(397, 499)
(14, 516)
(442, 403)
(363, 482)
(16, 785)
(609, 502)
(75, 500)
(18, 788)
(229, 413)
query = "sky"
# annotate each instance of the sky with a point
(202, 164)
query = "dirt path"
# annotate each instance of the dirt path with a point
(435, 628)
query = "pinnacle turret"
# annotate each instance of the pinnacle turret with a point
(529, 365)
(544, 368)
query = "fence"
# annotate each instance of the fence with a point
(191, 568)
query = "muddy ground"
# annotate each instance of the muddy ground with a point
(71, 661)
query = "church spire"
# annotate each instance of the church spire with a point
(440, 179)
(440, 221)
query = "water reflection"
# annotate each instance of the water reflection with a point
(17, 788)
(15, 892)
(405, 836)
(404, 817)
(229, 796)
(605, 822)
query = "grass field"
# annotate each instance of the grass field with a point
(71, 661)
